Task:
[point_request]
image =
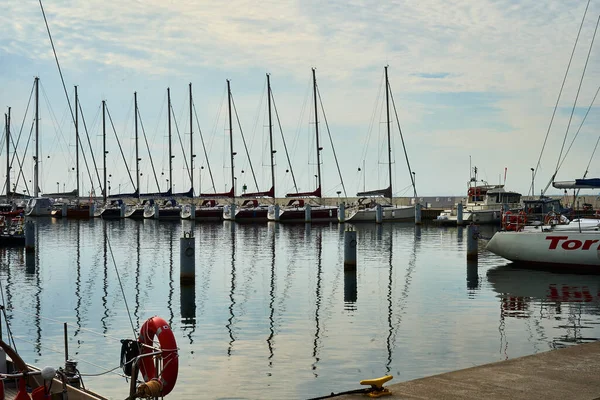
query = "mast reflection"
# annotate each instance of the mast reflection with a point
(315, 354)
(272, 301)
(105, 282)
(229, 325)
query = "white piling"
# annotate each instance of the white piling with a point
(276, 212)
(29, 237)
(192, 212)
(122, 208)
(378, 214)
(342, 212)
(307, 213)
(156, 211)
(472, 238)
(187, 258)
(459, 213)
(418, 214)
(350, 247)
(63, 210)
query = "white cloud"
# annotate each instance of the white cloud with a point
(517, 51)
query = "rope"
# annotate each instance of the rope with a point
(287, 154)
(204, 149)
(68, 324)
(560, 92)
(331, 141)
(576, 97)
(112, 256)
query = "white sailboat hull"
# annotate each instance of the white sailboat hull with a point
(397, 214)
(562, 247)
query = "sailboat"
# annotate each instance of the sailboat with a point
(297, 210)
(169, 209)
(208, 210)
(37, 206)
(251, 210)
(367, 211)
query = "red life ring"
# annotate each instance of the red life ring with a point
(156, 326)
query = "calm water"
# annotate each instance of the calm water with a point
(273, 313)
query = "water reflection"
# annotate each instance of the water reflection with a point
(271, 299)
(315, 354)
(350, 289)
(536, 295)
(231, 318)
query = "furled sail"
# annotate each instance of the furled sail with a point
(269, 193)
(316, 193)
(592, 183)
(380, 192)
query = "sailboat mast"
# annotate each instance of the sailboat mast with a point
(387, 114)
(231, 138)
(7, 118)
(170, 156)
(271, 133)
(37, 137)
(77, 140)
(104, 146)
(317, 128)
(191, 143)
(137, 151)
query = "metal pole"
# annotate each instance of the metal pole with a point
(37, 137)
(271, 134)
(7, 119)
(104, 145)
(191, 144)
(137, 153)
(77, 141)
(387, 113)
(170, 153)
(66, 340)
(231, 138)
(317, 129)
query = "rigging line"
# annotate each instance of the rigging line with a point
(576, 97)
(579, 129)
(258, 109)
(181, 143)
(372, 120)
(68, 324)
(560, 92)
(85, 161)
(10, 335)
(284, 144)
(56, 123)
(412, 178)
(203, 148)
(120, 148)
(331, 141)
(57, 63)
(91, 152)
(148, 148)
(112, 256)
(21, 130)
(82, 360)
(21, 174)
(244, 140)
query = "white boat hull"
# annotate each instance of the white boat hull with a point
(397, 214)
(562, 247)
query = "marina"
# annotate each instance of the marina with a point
(273, 309)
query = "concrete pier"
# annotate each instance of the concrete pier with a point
(570, 373)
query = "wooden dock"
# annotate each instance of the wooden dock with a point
(571, 373)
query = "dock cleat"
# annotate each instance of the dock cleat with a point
(377, 388)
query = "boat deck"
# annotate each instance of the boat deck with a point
(570, 373)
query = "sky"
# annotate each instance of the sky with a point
(474, 83)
